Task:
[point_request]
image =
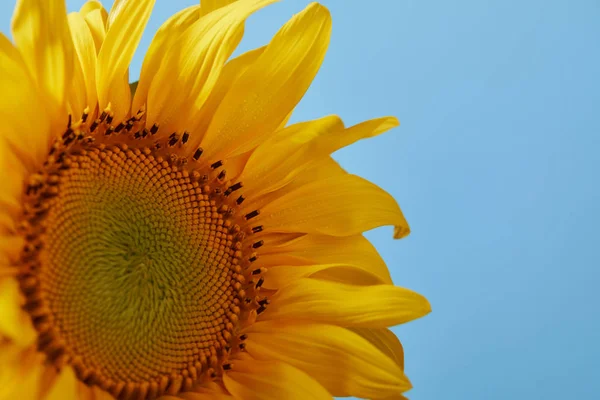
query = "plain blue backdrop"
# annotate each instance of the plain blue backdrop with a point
(495, 166)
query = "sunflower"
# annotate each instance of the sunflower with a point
(181, 240)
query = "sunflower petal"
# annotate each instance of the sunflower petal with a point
(346, 205)
(25, 129)
(343, 362)
(277, 161)
(15, 323)
(41, 32)
(268, 91)
(377, 306)
(281, 275)
(384, 340)
(96, 18)
(167, 36)
(185, 81)
(65, 386)
(209, 6)
(259, 380)
(86, 56)
(230, 73)
(126, 24)
(322, 249)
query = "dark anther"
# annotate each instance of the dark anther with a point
(216, 165)
(129, 124)
(70, 121)
(260, 282)
(119, 127)
(233, 188)
(145, 133)
(67, 133)
(252, 214)
(102, 116)
(154, 129)
(137, 135)
(94, 125)
(256, 271)
(264, 302)
(257, 229)
(240, 200)
(252, 259)
(222, 175)
(173, 139)
(157, 146)
(227, 366)
(198, 153)
(109, 119)
(84, 116)
(109, 131)
(69, 140)
(256, 245)
(260, 310)
(243, 337)
(185, 137)
(242, 346)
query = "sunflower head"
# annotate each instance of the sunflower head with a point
(184, 241)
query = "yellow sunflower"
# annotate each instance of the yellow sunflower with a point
(182, 241)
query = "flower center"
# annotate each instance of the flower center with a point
(131, 270)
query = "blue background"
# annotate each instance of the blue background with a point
(496, 167)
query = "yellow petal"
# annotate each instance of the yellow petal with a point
(366, 129)
(41, 32)
(384, 340)
(276, 162)
(96, 18)
(230, 73)
(126, 24)
(377, 306)
(64, 387)
(185, 80)
(268, 91)
(322, 249)
(281, 275)
(167, 36)
(11, 184)
(212, 5)
(25, 121)
(260, 380)
(343, 362)
(338, 206)
(20, 372)
(14, 322)
(86, 56)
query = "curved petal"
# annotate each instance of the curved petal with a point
(209, 6)
(377, 306)
(126, 24)
(281, 275)
(268, 91)
(230, 73)
(322, 249)
(14, 322)
(384, 340)
(25, 121)
(346, 205)
(86, 55)
(65, 387)
(260, 380)
(276, 162)
(41, 32)
(343, 362)
(185, 80)
(167, 36)
(96, 18)
(21, 372)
